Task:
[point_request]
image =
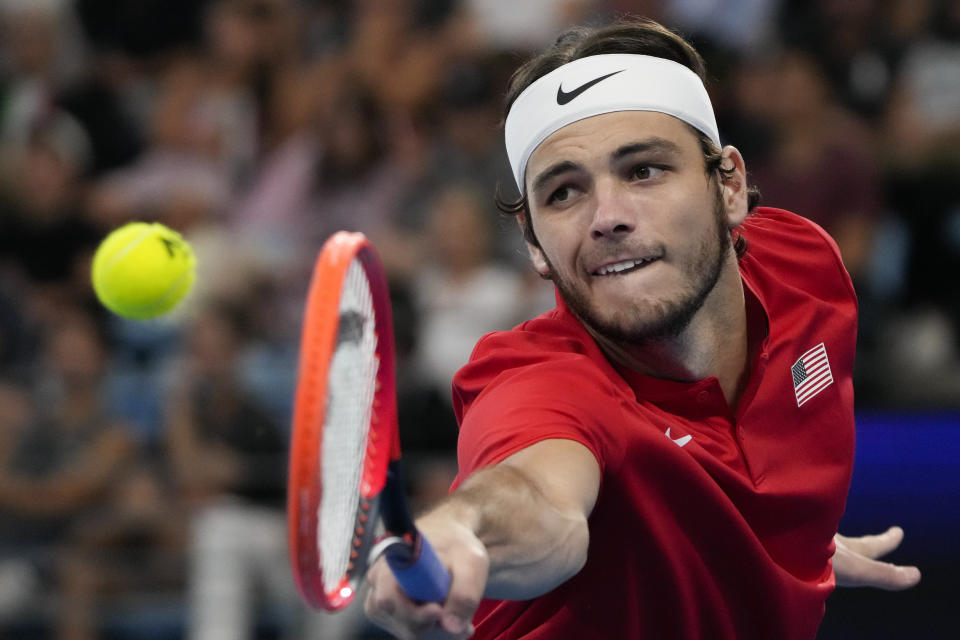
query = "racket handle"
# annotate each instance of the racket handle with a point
(425, 579)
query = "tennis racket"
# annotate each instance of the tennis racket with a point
(345, 501)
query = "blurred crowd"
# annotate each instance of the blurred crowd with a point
(142, 464)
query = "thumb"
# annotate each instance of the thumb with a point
(873, 546)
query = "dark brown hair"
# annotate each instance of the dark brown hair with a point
(628, 35)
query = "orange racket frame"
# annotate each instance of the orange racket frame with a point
(318, 341)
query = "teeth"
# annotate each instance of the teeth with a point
(620, 266)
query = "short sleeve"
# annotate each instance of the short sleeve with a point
(523, 387)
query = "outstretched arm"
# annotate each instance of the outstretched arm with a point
(512, 531)
(855, 562)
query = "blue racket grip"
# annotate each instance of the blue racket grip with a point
(425, 579)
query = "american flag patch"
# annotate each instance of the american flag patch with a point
(811, 374)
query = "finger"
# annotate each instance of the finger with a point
(873, 546)
(469, 576)
(379, 610)
(388, 606)
(404, 623)
(438, 633)
(879, 575)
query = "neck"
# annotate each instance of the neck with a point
(714, 344)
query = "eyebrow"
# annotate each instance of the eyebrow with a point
(653, 144)
(552, 172)
(650, 144)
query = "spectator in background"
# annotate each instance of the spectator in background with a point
(465, 148)
(50, 73)
(122, 559)
(229, 460)
(426, 420)
(841, 36)
(45, 240)
(44, 55)
(524, 26)
(67, 452)
(203, 134)
(821, 163)
(19, 574)
(745, 26)
(16, 338)
(461, 291)
(921, 128)
(359, 179)
(398, 51)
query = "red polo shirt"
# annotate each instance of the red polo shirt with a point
(710, 523)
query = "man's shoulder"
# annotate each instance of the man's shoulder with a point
(551, 351)
(547, 340)
(788, 251)
(791, 246)
(544, 379)
(772, 230)
(552, 334)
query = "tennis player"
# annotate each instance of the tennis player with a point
(667, 453)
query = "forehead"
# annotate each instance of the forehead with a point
(599, 135)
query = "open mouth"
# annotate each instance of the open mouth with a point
(623, 267)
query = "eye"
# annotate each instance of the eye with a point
(560, 195)
(646, 172)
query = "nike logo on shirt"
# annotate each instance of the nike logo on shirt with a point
(680, 442)
(563, 97)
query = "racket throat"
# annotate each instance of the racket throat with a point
(393, 506)
(401, 544)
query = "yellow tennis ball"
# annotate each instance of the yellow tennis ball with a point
(142, 270)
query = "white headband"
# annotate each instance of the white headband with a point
(602, 84)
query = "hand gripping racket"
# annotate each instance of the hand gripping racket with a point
(345, 502)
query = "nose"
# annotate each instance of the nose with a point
(613, 217)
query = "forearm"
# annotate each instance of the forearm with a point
(42, 497)
(513, 531)
(82, 483)
(533, 544)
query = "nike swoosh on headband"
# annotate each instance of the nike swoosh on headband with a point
(630, 82)
(563, 97)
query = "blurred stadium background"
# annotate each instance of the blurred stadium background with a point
(141, 464)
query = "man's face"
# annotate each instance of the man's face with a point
(630, 227)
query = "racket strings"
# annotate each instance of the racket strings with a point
(351, 388)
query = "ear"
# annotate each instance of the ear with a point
(538, 260)
(733, 187)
